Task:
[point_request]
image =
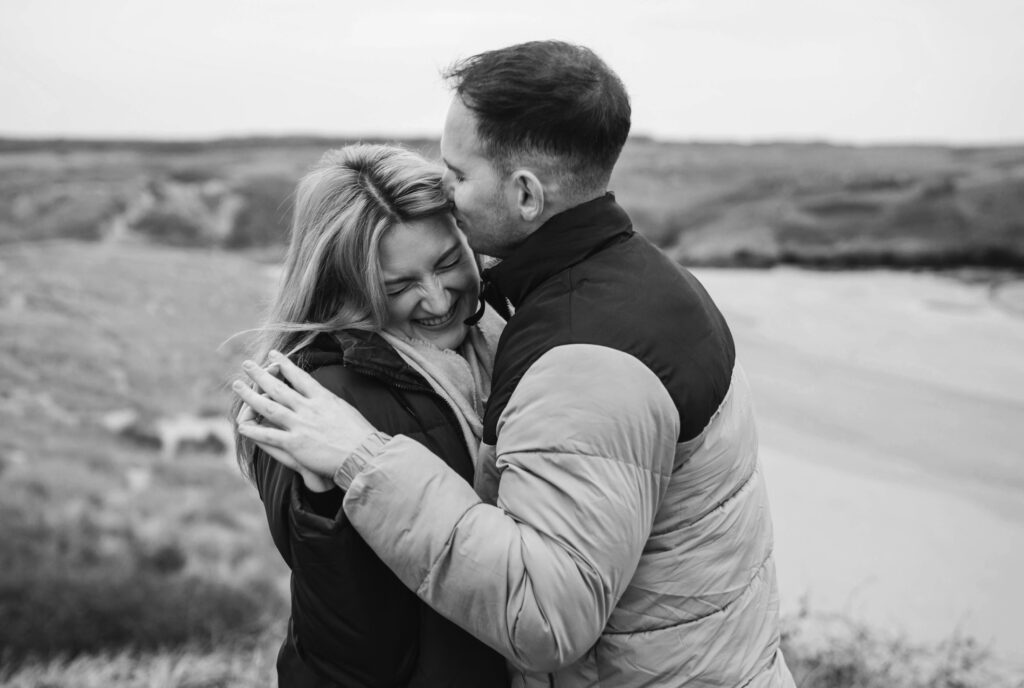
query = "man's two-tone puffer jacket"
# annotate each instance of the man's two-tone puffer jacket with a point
(619, 533)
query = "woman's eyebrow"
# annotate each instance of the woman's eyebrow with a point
(397, 280)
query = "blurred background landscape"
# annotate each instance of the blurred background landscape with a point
(133, 548)
(847, 181)
(719, 204)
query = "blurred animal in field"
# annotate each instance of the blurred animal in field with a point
(175, 434)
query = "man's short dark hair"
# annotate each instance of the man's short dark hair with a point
(546, 97)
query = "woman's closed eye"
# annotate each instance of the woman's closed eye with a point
(450, 259)
(451, 262)
(398, 289)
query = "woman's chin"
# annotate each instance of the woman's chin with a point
(449, 338)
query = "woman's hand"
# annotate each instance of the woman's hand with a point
(305, 426)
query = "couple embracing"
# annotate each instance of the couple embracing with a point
(544, 473)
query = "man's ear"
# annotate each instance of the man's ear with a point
(529, 195)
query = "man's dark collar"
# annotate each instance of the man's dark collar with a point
(564, 240)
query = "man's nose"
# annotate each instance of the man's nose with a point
(447, 183)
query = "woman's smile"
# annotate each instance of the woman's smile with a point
(440, 321)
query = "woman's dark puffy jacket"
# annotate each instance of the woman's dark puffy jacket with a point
(353, 623)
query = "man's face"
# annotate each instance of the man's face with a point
(483, 197)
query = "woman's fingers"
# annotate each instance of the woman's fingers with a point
(246, 414)
(261, 405)
(273, 387)
(301, 381)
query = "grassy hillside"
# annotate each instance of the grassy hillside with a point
(706, 204)
(818, 204)
(106, 546)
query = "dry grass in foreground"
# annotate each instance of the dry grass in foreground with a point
(238, 665)
(834, 651)
(822, 651)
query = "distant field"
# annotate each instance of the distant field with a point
(705, 204)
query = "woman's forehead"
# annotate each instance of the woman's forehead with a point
(418, 244)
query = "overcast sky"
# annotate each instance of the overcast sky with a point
(858, 71)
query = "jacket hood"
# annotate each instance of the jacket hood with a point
(364, 352)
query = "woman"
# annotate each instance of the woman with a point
(377, 287)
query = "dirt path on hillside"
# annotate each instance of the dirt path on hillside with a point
(891, 415)
(1008, 295)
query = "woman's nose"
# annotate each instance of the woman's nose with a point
(436, 299)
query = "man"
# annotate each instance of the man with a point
(619, 534)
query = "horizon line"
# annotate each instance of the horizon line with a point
(170, 140)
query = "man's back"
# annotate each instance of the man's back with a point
(702, 603)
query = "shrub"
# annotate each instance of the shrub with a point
(74, 612)
(92, 580)
(264, 219)
(170, 228)
(833, 651)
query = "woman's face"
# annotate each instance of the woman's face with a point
(431, 280)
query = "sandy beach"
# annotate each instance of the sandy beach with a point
(891, 415)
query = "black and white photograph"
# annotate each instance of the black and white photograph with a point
(550, 344)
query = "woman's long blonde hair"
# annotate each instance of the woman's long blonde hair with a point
(332, 275)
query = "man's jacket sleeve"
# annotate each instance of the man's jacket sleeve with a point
(585, 450)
